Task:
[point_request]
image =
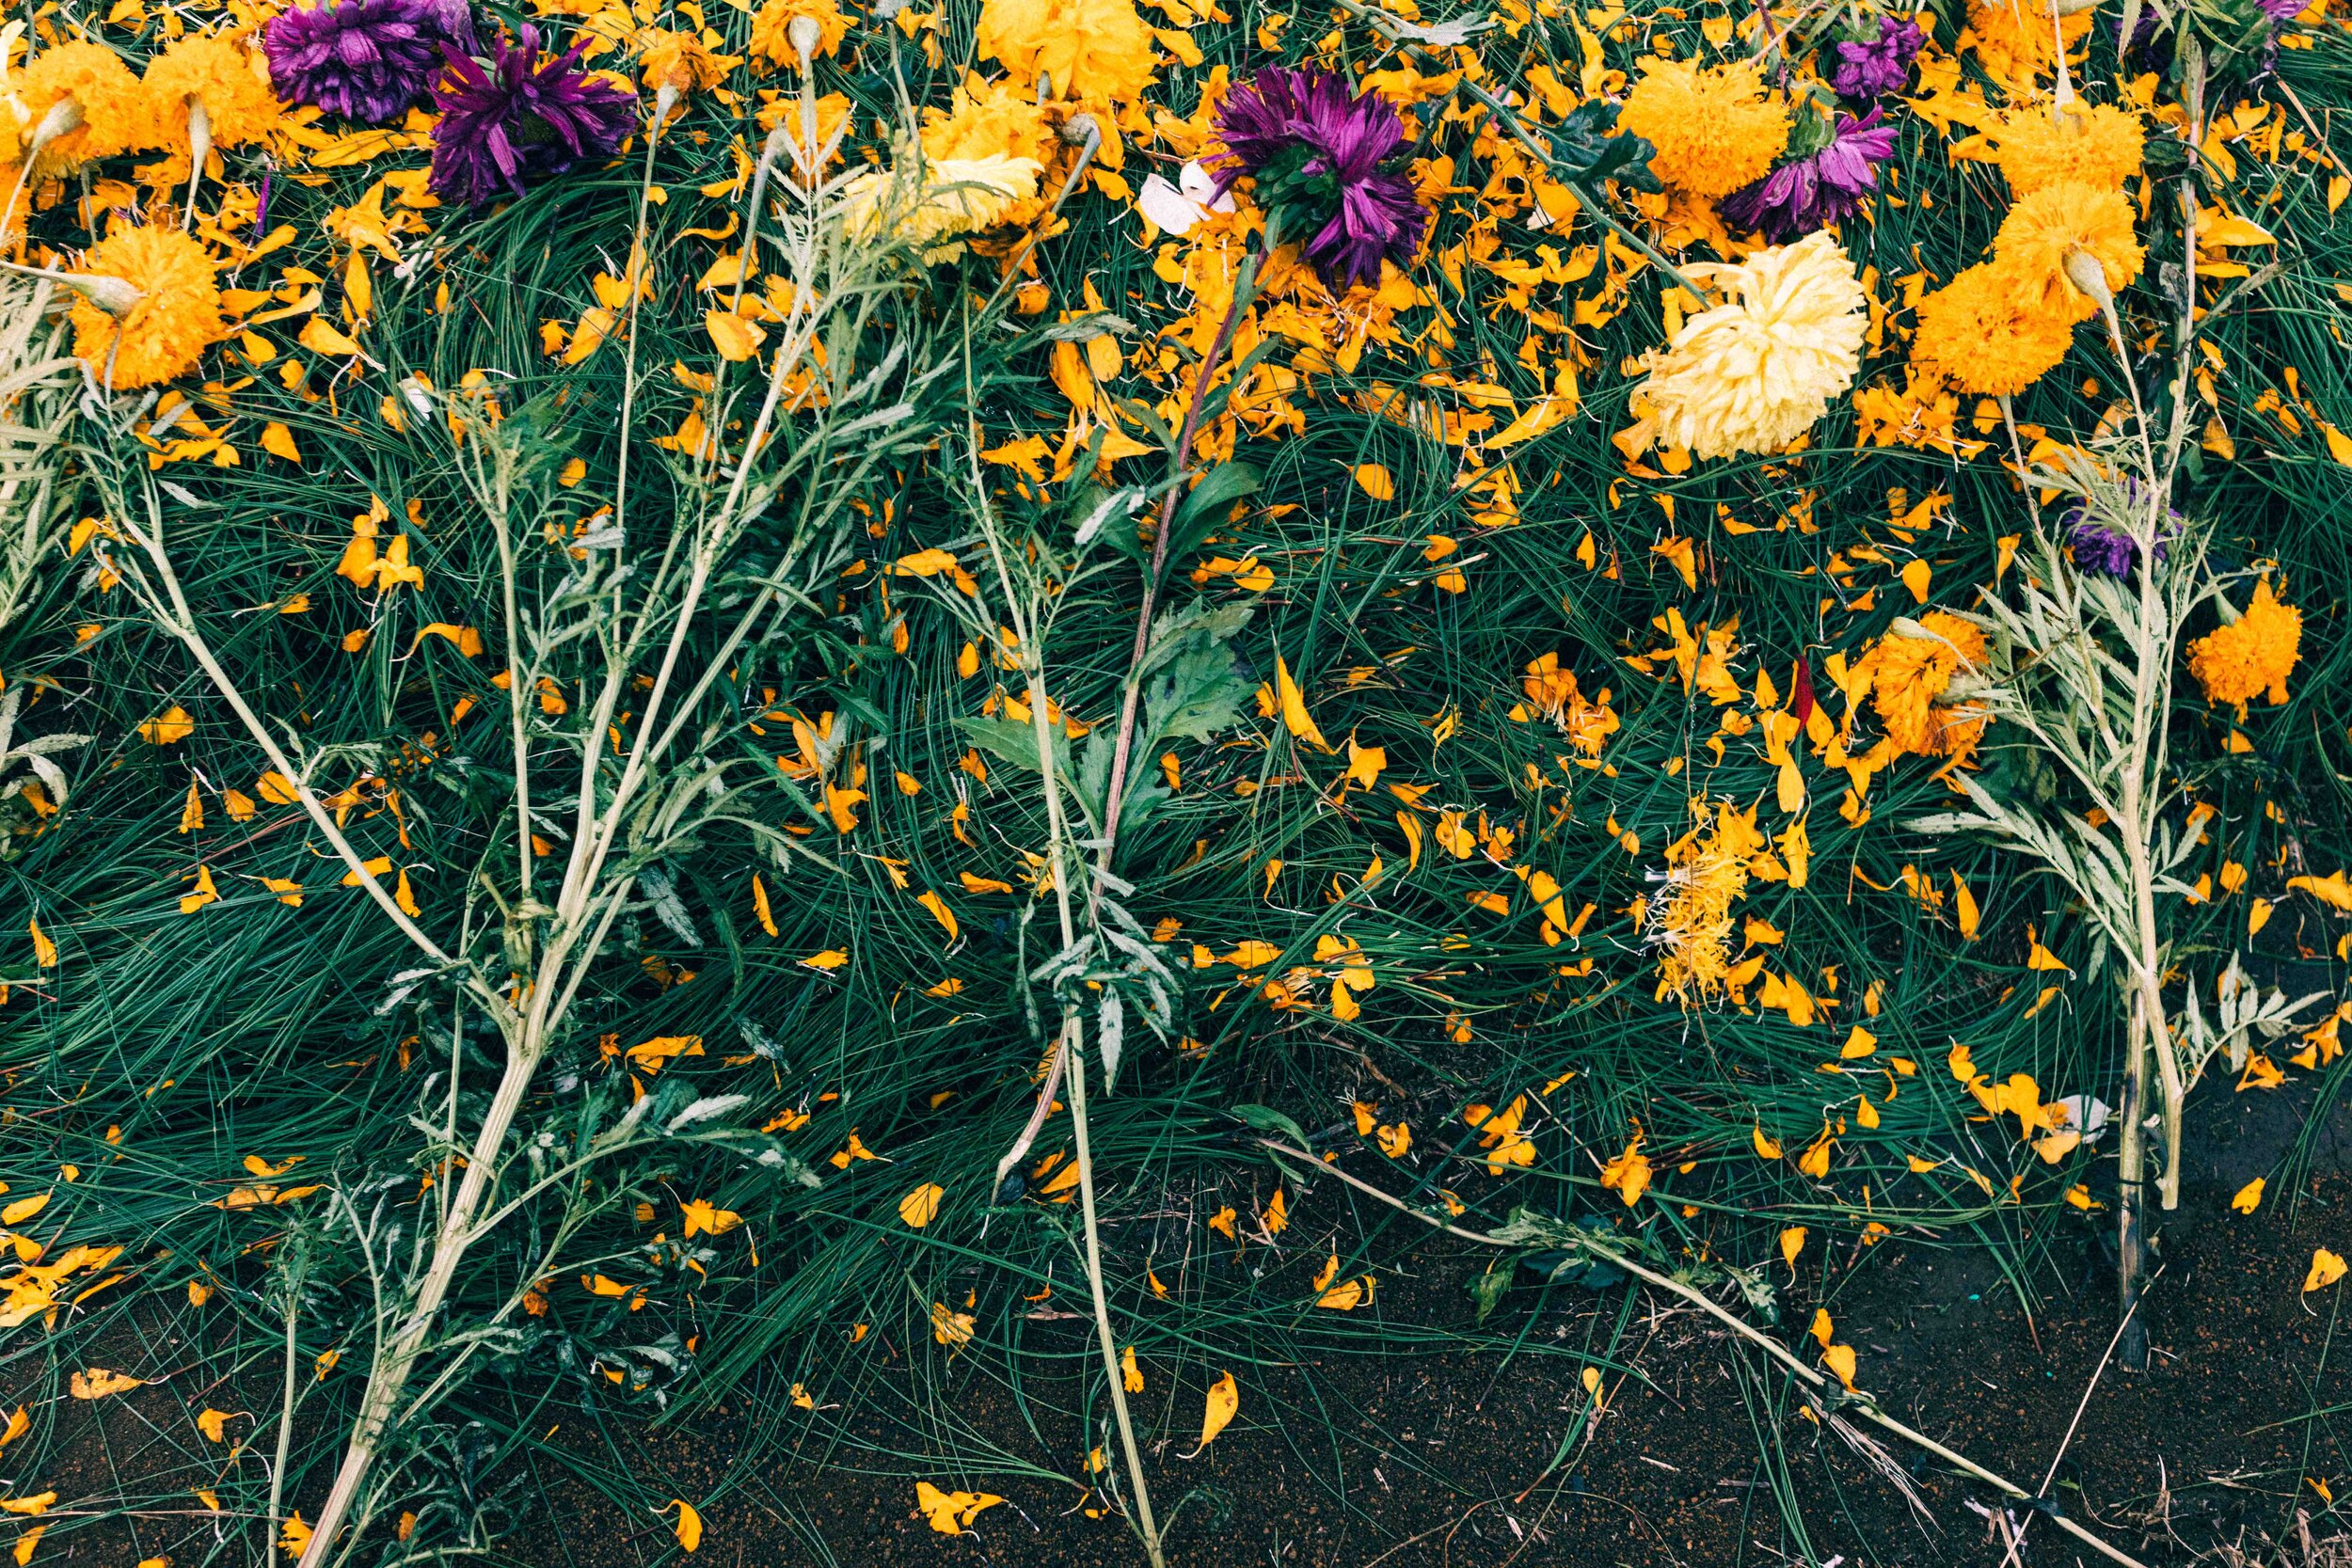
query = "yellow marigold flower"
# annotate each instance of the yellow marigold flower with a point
(230, 81)
(941, 200)
(679, 60)
(1908, 673)
(1690, 921)
(111, 108)
(2251, 655)
(1974, 336)
(2013, 41)
(1715, 130)
(167, 329)
(1754, 373)
(989, 118)
(1090, 49)
(772, 29)
(2096, 145)
(2045, 229)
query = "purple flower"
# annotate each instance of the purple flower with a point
(2099, 548)
(1315, 149)
(366, 60)
(519, 116)
(1880, 66)
(1820, 188)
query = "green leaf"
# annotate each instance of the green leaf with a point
(1015, 741)
(1265, 1118)
(1197, 697)
(1486, 1290)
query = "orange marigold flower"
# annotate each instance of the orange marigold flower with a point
(108, 108)
(2096, 145)
(679, 60)
(1974, 334)
(772, 29)
(229, 80)
(1090, 49)
(1715, 129)
(163, 331)
(1907, 675)
(2251, 655)
(2046, 231)
(2013, 42)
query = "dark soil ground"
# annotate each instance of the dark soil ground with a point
(2225, 1452)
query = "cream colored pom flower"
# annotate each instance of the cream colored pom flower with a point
(940, 200)
(1752, 374)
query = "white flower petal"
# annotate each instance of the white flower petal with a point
(1168, 207)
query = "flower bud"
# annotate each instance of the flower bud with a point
(63, 118)
(1081, 131)
(805, 32)
(2085, 272)
(113, 295)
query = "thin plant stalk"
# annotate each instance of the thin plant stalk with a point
(1856, 1400)
(1113, 794)
(1066, 1045)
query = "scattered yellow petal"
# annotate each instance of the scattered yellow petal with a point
(950, 1512)
(167, 728)
(921, 1206)
(97, 1383)
(2326, 1268)
(1224, 1403)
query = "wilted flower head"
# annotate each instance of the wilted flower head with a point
(1752, 374)
(1909, 671)
(519, 116)
(2106, 550)
(1822, 187)
(942, 199)
(1879, 65)
(366, 60)
(1690, 921)
(1315, 149)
